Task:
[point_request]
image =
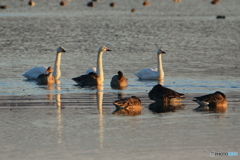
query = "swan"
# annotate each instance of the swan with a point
(44, 79)
(93, 78)
(33, 73)
(119, 80)
(161, 93)
(212, 99)
(153, 73)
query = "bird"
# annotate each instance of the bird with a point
(213, 99)
(161, 93)
(119, 80)
(127, 103)
(31, 3)
(93, 78)
(33, 73)
(90, 79)
(46, 79)
(153, 73)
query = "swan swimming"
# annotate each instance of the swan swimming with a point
(153, 73)
(33, 73)
(46, 79)
(93, 78)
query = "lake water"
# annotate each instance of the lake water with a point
(64, 121)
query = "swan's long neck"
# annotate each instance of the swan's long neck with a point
(160, 67)
(57, 70)
(100, 66)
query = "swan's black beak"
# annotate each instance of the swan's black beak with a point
(109, 50)
(64, 50)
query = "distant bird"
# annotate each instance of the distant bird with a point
(119, 80)
(63, 3)
(45, 79)
(214, 99)
(90, 4)
(112, 4)
(153, 73)
(221, 17)
(215, 1)
(31, 3)
(128, 103)
(33, 73)
(146, 3)
(92, 78)
(161, 93)
(133, 10)
(3, 7)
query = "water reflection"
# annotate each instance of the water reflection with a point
(59, 107)
(59, 111)
(216, 107)
(120, 92)
(100, 93)
(166, 105)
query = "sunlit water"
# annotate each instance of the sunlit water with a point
(65, 121)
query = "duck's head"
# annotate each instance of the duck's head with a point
(60, 49)
(103, 49)
(49, 70)
(223, 95)
(160, 51)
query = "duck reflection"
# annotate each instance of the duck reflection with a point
(166, 105)
(131, 106)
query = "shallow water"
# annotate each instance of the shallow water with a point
(64, 121)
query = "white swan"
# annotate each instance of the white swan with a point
(33, 73)
(93, 78)
(153, 73)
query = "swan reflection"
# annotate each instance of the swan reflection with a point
(100, 92)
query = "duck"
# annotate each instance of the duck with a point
(128, 103)
(46, 79)
(161, 93)
(153, 73)
(119, 80)
(93, 78)
(33, 73)
(214, 99)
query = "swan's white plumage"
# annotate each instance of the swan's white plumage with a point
(33, 73)
(153, 73)
(148, 73)
(93, 69)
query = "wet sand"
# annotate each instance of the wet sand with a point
(67, 122)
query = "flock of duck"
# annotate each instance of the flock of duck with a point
(95, 77)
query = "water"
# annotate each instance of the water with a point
(65, 121)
